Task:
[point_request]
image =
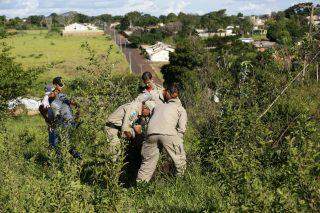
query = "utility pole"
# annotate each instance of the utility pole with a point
(130, 62)
(317, 73)
(141, 68)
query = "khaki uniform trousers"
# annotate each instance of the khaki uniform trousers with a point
(150, 155)
(115, 142)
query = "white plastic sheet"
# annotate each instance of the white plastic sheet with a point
(31, 104)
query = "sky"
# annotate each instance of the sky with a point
(24, 8)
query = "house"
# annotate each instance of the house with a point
(257, 22)
(229, 31)
(158, 52)
(161, 24)
(131, 30)
(81, 29)
(204, 33)
(259, 27)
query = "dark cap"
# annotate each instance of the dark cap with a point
(146, 76)
(58, 81)
(173, 88)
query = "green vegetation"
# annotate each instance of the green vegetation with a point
(240, 156)
(290, 25)
(61, 55)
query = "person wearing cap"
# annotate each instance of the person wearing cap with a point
(151, 90)
(122, 123)
(166, 127)
(63, 117)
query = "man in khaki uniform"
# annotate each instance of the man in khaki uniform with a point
(120, 123)
(166, 127)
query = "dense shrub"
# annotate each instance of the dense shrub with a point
(259, 164)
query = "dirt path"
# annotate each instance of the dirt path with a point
(138, 62)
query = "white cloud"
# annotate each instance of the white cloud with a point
(176, 6)
(22, 8)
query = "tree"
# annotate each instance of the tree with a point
(301, 9)
(278, 32)
(124, 23)
(104, 17)
(35, 20)
(2, 20)
(134, 17)
(147, 20)
(16, 23)
(215, 20)
(245, 25)
(14, 80)
(81, 18)
(3, 32)
(189, 23)
(240, 15)
(188, 56)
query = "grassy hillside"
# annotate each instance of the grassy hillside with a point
(63, 54)
(236, 161)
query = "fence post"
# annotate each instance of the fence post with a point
(317, 72)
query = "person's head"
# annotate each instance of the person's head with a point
(171, 92)
(147, 78)
(147, 108)
(57, 82)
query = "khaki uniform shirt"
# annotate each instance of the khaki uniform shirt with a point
(125, 116)
(168, 119)
(156, 94)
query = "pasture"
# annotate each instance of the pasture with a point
(62, 55)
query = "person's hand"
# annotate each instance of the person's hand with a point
(138, 129)
(127, 134)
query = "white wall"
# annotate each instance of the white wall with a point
(161, 56)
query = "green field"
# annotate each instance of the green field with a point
(36, 48)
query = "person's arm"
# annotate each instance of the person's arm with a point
(126, 127)
(53, 94)
(182, 122)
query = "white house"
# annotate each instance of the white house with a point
(204, 33)
(229, 31)
(81, 29)
(159, 52)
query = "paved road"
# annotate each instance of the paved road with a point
(138, 62)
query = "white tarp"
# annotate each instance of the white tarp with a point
(31, 104)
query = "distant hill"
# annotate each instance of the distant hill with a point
(68, 18)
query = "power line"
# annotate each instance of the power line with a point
(288, 85)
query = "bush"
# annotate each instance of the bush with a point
(258, 164)
(2, 32)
